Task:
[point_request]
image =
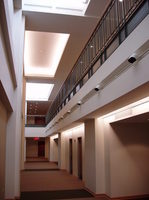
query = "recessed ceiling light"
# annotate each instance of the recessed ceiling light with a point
(38, 91)
(120, 0)
(43, 65)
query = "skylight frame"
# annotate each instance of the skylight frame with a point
(68, 7)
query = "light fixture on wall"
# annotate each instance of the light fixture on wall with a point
(79, 103)
(132, 58)
(97, 88)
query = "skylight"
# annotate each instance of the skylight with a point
(69, 7)
(43, 52)
(38, 91)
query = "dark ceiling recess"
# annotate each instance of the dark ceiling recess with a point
(37, 107)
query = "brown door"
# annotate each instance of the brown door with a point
(70, 156)
(80, 157)
(41, 148)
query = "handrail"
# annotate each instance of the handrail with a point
(112, 24)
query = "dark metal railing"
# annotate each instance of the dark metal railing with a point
(110, 32)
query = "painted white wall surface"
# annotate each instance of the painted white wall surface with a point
(126, 158)
(16, 25)
(100, 157)
(132, 78)
(3, 125)
(35, 132)
(53, 150)
(90, 156)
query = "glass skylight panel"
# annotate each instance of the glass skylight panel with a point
(38, 91)
(70, 7)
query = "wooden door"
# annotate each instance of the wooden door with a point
(80, 157)
(41, 148)
(70, 156)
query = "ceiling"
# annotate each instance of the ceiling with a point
(43, 51)
(79, 28)
(37, 107)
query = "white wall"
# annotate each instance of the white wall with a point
(54, 148)
(3, 124)
(123, 158)
(90, 156)
(129, 159)
(16, 24)
(100, 156)
(34, 132)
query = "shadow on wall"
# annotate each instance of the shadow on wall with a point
(132, 133)
(129, 158)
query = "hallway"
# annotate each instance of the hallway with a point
(74, 99)
(43, 180)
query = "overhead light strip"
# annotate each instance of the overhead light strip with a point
(139, 107)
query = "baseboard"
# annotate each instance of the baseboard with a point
(98, 195)
(105, 196)
(91, 192)
(134, 197)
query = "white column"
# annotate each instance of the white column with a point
(90, 161)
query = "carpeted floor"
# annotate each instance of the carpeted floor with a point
(32, 170)
(36, 159)
(40, 165)
(44, 181)
(59, 194)
(49, 181)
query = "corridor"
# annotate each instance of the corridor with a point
(74, 99)
(43, 180)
